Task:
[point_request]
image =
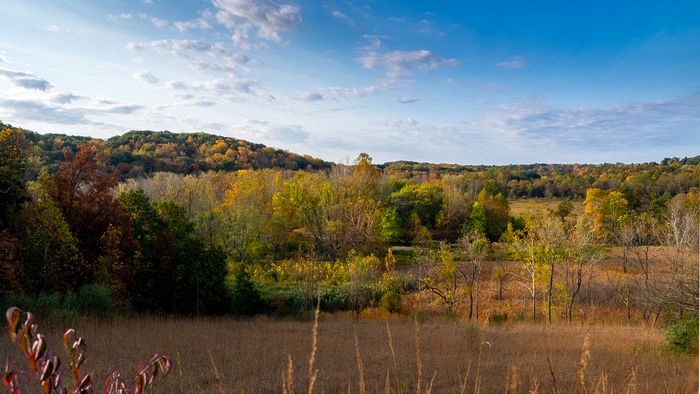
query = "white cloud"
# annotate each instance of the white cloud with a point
(272, 134)
(512, 64)
(201, 23)
(399, 64)
(343, 17)
(619, 127)
(219, 86)
(65, 98)
(155, 21)
(136, 46)
(267, 17)
(406, 100)
(145, 76)
(36, 110)
(183, 48)
(312, 96)
(56, 29)
(25, 79)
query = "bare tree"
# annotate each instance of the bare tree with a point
(474, 247)
(581, 254)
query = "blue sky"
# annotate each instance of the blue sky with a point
(441, 81)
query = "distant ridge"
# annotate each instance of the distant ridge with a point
(140, 152)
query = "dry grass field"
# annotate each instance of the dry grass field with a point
(539, 206)
(229, 356)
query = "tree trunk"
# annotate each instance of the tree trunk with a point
(476, 300)
(549, 292)
(471, 305)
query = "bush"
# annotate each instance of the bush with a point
(47, 306)
(391, 301)
(93, 299)
(498, 318)
(682, 335)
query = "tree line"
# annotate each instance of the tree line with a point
(272, 238)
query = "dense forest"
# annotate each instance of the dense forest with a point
(200, 224)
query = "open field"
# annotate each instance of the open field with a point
(224, 355)
(524, 207)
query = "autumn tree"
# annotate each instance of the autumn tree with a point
(84, 193)
(607, 209)
(441, 280)
(362, 271)
(52, 260)
(580, 255)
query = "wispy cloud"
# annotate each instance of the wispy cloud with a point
(65, 98)
(406, 100)
(342, 17)
(201, 23)
(512, 64)
(220, 86)
(155, 21)
(207, 54)
(271, 133)
(35, 110)
(146, 77)
(623, 126)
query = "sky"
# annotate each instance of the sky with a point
(489, 82)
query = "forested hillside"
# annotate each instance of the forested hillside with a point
(138, 153)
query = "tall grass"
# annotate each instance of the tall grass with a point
(252, 356)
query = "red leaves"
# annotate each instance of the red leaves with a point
(157, 366)
(23, 330)
(13, 316)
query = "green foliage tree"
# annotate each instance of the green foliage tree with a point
(477, 219)
(14, 151)
(390, 225)
(245, 296)
(174, 270)
(442, 280)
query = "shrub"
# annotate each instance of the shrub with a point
(391, 301)
(498, 318)
(682, 335)
(93, 299)
(246, 297)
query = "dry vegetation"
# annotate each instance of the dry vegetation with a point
(523, 207)
(225, 355)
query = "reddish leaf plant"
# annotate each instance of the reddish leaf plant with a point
(45, 367)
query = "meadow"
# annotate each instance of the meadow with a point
(224, 355)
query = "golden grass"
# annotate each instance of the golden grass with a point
(225, 355)
(539, 206)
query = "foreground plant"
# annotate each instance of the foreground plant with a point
(44, 367)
